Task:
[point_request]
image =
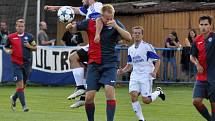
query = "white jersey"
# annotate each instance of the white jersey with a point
(141, 58)
(92, 12)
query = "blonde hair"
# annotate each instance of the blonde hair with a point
(138, 27)
(107, 8)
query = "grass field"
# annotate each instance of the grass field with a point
(50, 104)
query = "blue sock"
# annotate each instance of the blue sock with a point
(21, 95)
(90, 110)
(203, 111)
(110, 109)
(15, 96)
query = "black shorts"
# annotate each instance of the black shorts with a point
(83, 55)
(204, 90)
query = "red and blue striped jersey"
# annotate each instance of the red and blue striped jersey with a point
(20, 53)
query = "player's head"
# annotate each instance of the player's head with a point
(205, 24)
(137, 33)
(107, 13)
(3, 26)
(20, 26)
(43, 25)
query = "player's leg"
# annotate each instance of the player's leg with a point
(200, 92)
(134, 91)
(146, 92)
(92, 78)
(212, 100)
(108, 78)
(18, 78)
(110, 102)
(78, 72)
(90, 105)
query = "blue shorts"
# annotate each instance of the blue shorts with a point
(204, 90)
(21, 72)
(101, 74)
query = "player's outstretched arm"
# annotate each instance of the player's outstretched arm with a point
(56, 8)
(127, 68)
(157, 66)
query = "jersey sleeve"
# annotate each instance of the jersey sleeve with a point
(194, 50)
(83, 10)
(98, 7)
(129, 59)
(96, 10)
(151, 54)
(82, 25)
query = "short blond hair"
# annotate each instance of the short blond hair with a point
(138, 27)
(108, 8)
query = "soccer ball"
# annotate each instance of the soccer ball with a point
(66, 14)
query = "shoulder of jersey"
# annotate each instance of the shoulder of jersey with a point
(98, 3)
(12, 35)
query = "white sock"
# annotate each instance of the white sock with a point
(78, 74)
(154, 95)
(138, 110)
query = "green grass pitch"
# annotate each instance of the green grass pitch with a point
(50, 104)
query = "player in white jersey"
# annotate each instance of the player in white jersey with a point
(145, 63)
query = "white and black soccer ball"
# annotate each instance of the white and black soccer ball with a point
(66, 14)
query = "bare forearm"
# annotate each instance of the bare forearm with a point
(127, 68)
(124, 34)
(193, 60)
(157, 66)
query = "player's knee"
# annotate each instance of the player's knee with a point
(146, 100)
(134, 97)
(196, 102)
(89, 98)
(20, 84)
(72, 57)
